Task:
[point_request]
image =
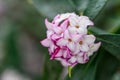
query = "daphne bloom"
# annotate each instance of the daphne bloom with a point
(67, 39)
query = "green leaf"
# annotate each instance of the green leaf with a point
(52, 69)
(81, 5)
(94, 7)
(6, 27)
(51, 8)
(12, 58)
(115, 29)
(78, 73)
(96, 31)
(106, 67)
(85, 71)
(90, 8)
(31, 21)
(111, 42)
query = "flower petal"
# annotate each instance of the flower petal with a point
(64, 25)
(52, 47)
(89, 39)
(65, 54)
(96, 46)
(84, 47)
(62, 42)
(76, 37)
(49, 34)
(67, 34)
(55, 37)
(48, 24)
(80, 60)
(65, 63)
(59, 54)
(82, 30)
(73, 21)
(71, 46)
(58, 58)
(72, 30)
(85, 57)
(72, 59)
(90, 53)
(57, 29)
(56, 18)
(63, 17)
(85, 21)
(46, 42)
(53, 55)
(77, 49)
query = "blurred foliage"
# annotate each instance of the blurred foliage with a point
(26, 18)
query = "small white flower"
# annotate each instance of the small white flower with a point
(69, 40)
(93, 48)
(84, 43)
(63, 17)
(79, 24)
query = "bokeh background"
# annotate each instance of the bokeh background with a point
(22, 27)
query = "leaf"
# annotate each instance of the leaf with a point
(6, 27)
(12, 58)
(51, 8)
(111, 42)
(78, 71)
(52, 69)
(31, 21)
(94, 7)
(106, 67)
(81, 5)
(90, 8)
(96, 31)
(85, 71)
(100, 68)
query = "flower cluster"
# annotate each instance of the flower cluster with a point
(67, 39)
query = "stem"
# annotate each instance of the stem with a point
(69, 71)
(29, 1)
(81, 13)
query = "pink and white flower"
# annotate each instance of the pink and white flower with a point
(67, 39)
(79, 24)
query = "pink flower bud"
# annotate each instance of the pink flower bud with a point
(67, 39)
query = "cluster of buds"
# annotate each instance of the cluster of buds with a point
(67, 39)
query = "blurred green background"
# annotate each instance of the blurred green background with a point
(22, 27)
